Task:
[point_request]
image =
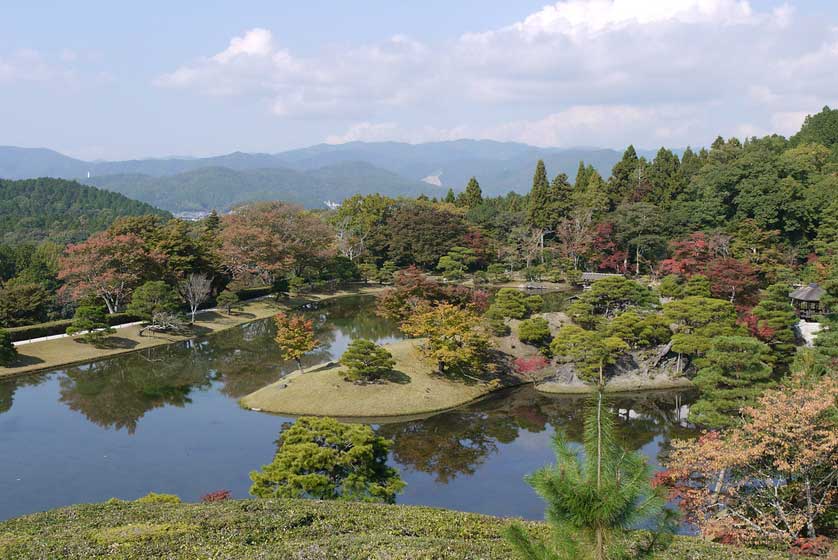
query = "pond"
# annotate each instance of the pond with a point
(167, 420)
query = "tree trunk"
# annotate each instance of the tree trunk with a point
(600, 544)
(637, 261)
(810, 510)
(299, 364)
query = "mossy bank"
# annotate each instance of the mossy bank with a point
(281, 529)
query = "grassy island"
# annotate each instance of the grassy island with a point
(274, 529)
(413, 388)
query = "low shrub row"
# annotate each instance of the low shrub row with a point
(305, 529)
(52, 328)
(60, 327)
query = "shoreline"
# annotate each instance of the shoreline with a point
(414, 389)
(53, 354)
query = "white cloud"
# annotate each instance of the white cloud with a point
(575, 72)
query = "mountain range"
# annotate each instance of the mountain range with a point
(311, 176)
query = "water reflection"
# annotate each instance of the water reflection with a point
(118, 392)
(167, 419)
(459, 442)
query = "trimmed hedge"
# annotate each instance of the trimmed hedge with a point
(301, 529)
(60, 327)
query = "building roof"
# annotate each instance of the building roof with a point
(812, 292)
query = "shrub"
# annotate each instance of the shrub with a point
(497, 273)
(325, 459)
(534, 303)
(366, 361)
(226, 300)
(217, 496)
(8, 352)
(530, 364)
(153, 297)
(155, 498)
(90, 320)
(534, 331)
(511, 303)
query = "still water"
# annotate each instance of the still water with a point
(167, 420)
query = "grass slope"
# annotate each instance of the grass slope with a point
(280, 529)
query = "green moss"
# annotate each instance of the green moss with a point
(140, 531)
(273, 529)
(154, 498)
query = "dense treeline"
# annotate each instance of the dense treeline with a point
(63, 211)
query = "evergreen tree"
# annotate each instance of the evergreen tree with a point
(561, 199)
(472, 196)
(582, 176)
(226, 300)
(325, 459)
(623, 177)
(366, 361)
(450, 197)
(8, 352)
(735, 375)
(540, 202)
(775, 322)
(91, 323)
(595, 499)
(826, 241)
(153, 297)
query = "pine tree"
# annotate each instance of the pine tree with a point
(582, 176)
(826, 242)
(623, 177)
(592, 501)
(561, 199)
(538, 213)
(775, 322)
(472, 196)
(450, 197)
(8, 352)
(366, 361)
(735, 375)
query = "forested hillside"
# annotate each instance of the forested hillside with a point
(222, 187)
(60, 210)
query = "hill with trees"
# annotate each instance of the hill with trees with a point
(221, 187)
(312, 175)
(60, 210)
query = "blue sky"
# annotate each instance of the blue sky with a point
(98, 79)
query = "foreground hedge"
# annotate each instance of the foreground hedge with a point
(279, 529)
(60, 327)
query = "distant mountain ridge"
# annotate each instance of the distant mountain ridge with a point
(311, 175)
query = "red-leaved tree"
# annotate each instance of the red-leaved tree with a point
(108, 266)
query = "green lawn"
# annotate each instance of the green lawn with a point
(279, 529)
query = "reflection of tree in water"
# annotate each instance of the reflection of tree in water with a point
(355, 317)
(10, 386)
(458, 442)
(117, 393)
(449, 444)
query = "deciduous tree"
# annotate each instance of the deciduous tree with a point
(455, 340)
(295, 337)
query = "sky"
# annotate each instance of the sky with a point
(98, 79)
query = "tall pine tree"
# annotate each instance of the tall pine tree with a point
(594, 499)
(472, 196)
(735, 375)
(623, 177)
